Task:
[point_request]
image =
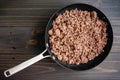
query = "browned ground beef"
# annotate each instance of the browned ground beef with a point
(77, 36)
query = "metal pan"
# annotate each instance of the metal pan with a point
(90, 64)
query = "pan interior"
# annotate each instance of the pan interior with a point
(97, 60)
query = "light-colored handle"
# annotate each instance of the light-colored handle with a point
(25, 64)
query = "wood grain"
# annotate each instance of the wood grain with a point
(19, 20)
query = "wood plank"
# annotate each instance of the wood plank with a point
(13, 2)
(110, 3)
(44, 70)
(19, 57)
(41, 12)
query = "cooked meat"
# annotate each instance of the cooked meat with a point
(77, 36)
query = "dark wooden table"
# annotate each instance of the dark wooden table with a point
(22, 25)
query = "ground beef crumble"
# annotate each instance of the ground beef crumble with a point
(77, 36)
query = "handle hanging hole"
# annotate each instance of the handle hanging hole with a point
(7, 73)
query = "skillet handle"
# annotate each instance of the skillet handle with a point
(25, 64)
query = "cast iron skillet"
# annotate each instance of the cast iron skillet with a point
(90, 64)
